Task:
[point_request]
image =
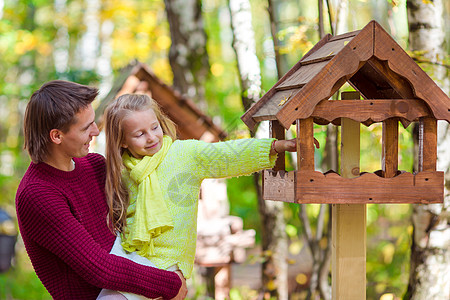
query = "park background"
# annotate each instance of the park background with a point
(90, 41)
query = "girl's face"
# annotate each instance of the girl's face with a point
(143, 134)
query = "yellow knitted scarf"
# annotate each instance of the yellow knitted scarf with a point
(151, 217)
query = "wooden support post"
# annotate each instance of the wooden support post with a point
(222, 281)
(349, 224)
(427, 144)
(389, 160)
(277, 131)
(218, 281)
(305, 144)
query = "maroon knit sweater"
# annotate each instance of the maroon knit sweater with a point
(62, 220)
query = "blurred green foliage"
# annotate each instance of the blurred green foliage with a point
(20, 282)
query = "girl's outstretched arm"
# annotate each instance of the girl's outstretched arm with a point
(235, 157)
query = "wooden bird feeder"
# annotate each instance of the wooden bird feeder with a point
(393, 89)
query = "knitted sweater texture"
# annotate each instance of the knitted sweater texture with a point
(180, 175)
(62, 220)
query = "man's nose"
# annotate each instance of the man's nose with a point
(95, 130)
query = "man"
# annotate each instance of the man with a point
(61, 205)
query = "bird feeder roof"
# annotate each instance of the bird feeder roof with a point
(372, 63)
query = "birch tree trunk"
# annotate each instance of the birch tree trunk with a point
(274, 33)
(94, 48)
(274, 239)
(341, 17)
(244, 47)
(104, 68)
(188, 56)
(89, 44)
(430, 250)
(61, 41)
(2, 5)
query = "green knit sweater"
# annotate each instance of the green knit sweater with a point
(180, 175)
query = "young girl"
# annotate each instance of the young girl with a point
(153, 180)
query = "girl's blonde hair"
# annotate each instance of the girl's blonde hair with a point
(116, 191)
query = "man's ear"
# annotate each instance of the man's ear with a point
(55, 136)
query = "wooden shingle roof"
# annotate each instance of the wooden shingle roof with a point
(373, 64)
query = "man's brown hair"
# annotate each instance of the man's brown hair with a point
(53, 106)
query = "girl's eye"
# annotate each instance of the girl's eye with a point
(156, 127)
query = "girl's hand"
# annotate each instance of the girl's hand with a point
(287, 145)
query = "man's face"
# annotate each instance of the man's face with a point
(75, 142)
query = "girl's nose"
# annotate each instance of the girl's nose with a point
(150, 137)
